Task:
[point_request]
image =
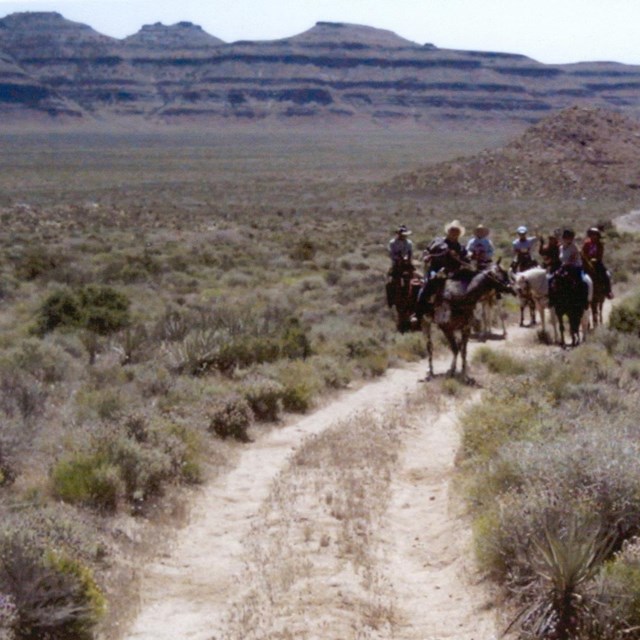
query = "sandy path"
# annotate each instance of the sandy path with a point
(430, 561)
(629, 222)
(186, 593)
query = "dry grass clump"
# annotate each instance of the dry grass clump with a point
(553, 456)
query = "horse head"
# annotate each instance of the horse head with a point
(499, 278)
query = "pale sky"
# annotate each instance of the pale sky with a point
(551, 31)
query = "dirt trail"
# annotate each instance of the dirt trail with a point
(629, 222)
(187, 593)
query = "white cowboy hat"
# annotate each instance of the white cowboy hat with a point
(454, 224)
(522, 229)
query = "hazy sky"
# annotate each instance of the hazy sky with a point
(547, 30)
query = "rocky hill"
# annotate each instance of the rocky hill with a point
(577, 152)
(335, 72)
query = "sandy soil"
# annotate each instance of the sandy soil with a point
(629, 222)
(425, 539)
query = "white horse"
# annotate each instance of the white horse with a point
(533, 285)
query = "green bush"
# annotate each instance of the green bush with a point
(99, 309)
(88, 479)
(301, 384)
(625, 316)
(231, 417)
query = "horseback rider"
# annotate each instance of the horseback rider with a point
(444, 258)
(592, 255)
(400, 247)
(480, 248)
(550, 252)
(570, 258)
(521, 248)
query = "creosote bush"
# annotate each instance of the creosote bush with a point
(99, 309)
(230, 417)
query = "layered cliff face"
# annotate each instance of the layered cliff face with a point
(333, 71)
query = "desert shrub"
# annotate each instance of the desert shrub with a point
(618, 595)
(231, 417)
(21, 395)
(153, 379)
(132, 344)
(336, 372)
(128, 268)
(88, 479)
(8, 470)
(303, 250)
(301, 384)
(8, 286)
(264, 397)
(498, 362)
(60, 309)
(36, 261)
(295, 342)
(132, 462)
(51, 596)
(99, 309)
(625, 316)
(104, 404)
(508, 414)
(46, 362)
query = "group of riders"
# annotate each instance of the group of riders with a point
(448, 258)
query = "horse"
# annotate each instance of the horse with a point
(523, 262)
(454, 313)
(569, 296)
(600, 290)
(402, 290)
(490, 310)
(532, 288)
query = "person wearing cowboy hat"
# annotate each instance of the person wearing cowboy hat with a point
(480, 248)
(400, 247)
(592, 257)
(521, 248)
(444, 258)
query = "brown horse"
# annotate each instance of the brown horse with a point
(402, 290)
(454, 313)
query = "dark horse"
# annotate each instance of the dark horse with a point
(454, 313)
(568, 296)
(402, 291)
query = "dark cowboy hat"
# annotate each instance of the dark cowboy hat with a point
(403, 230)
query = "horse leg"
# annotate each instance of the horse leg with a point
(464, 341)
(455, 349)
(522, 306)
(532, 312)
(427, 330)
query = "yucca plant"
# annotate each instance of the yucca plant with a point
(564, 563)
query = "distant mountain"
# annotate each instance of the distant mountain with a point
(577, 152)
(59, 69)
